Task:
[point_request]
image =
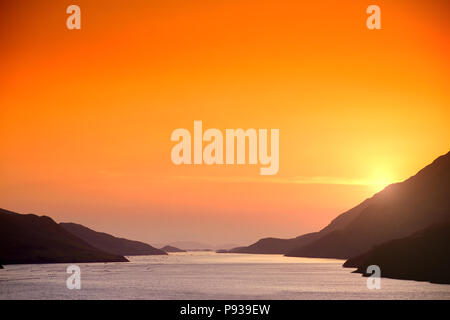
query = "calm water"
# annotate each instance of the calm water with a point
(207, 275)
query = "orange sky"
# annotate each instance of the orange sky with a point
(86, 115)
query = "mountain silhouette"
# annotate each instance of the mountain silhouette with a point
(109, 243)
(423, 256)
(28, 238)
(172, 249)
(191, 245)
(395, 212)
(275, 245)
(284, 246)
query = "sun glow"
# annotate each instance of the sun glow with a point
(381, 178)
(381, 183)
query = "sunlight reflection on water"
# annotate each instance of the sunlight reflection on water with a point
(208, 275)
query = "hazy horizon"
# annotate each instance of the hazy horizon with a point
(200, 243)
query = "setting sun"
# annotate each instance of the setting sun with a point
(380, 183)
(382, 177)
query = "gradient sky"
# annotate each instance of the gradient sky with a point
(86, 115)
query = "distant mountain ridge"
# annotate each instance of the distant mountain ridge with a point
(172, 249)
(395, 212)
(275, 245)
(190, 245)
(196, 246)
(109, 243)
(28, 238)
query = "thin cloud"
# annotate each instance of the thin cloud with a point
(283, 180)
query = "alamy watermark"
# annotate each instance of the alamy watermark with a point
(74, 20)
(213, 152)
(74, 280)
(374, 280)
(374, 20)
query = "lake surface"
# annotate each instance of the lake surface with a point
(208, 275)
